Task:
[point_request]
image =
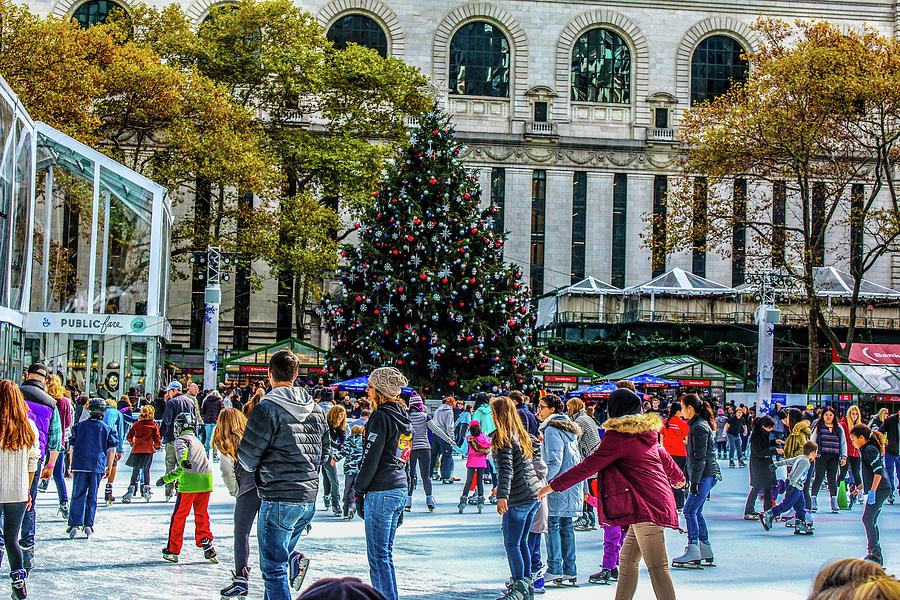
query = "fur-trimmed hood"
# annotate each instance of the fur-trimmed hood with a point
(802, 427)
(562, 423)
(644, 427)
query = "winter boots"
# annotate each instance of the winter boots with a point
(690, 559)
(18, 584)
(239, 586)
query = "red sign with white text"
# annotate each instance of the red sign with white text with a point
(254, 369)
(561, 378)
(845, 398)
(887, 398)
(694, 382)
(875, 354)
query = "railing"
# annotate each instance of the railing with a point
(540, 128)
(735, 317)
(661, 134)
(411, 122)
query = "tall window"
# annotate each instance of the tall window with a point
(779, 219)
(538, 214)
(601, 68)
(619, 216)
(857, 198)
(579, 224)
(818, 224)
(739, 233)
(698, 255)
(660, 188)
(94, 11)
(360, 30)
(479, 61)
(240, 338)
(498, 197)
(717, 64)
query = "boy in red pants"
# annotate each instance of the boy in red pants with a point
(194, 477)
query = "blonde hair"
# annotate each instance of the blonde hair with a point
(575, 405)
(383, 399)
(337, 417)
(853, 423)
(125, 399)
(254, 400)
(55, 387)
(509, 427)
(147, 413)
(228, 431)
(854, 579)
(357, 429)
(111, 402)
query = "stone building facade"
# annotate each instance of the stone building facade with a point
(569, 113)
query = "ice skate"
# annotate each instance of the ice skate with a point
(834, 505)
(560, 581)
(615, 574)
(72, 532)
(63, 510)
(408, 506)
(516, 590)
(766, 519)
(891, 498)
(462, 504)
(480, 504)
(751, 516)
(18, 584)
(581, 524)
(239, 587)
(814, 505)
(690, 559)
(429, 502)
(447, 481)
(875, 559)
(603, 577)
(730, 464)
(88, 531)
(706, 554)
(168, 495)
(804, 528)
(108, 495)
(43, 484)
(170, 556)
(126, 498)
(492, 499)
(146, 493)
(209, 552)
(298, 565)
(350, 514)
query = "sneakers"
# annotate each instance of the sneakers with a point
(239, 586)
(209, 553)
(297, 567)
(18, 584)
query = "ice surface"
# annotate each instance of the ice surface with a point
(441, 555)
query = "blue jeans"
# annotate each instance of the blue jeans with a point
(561, 546)
(892, 466)
(442, 448)
(277, 530)
(734, 447)
(84, 498)
(60, 480)
(793, 499)
(693, 511)
(207, 435)
(515, 525)
(382, 515)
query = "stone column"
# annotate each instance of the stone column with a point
(518, 218)
(558, 230)
(598, 242)
(638, 256)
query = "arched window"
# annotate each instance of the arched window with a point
(601, 68)
(358, 29)
(716, 65)
(94, 11)
(479, 61)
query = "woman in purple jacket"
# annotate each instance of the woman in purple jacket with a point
(635, 480)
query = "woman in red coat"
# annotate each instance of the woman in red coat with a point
(673, 436)
(145, 441)
(636, 476)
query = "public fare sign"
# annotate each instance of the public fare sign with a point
(97, 324)
(694, 382)
(875, 354)
(888, 398)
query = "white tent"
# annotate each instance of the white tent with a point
(831, 283)
(580, 293)
(678, 282)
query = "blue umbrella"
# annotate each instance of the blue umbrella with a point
(607, 387)
(359, 385)
(645, 379)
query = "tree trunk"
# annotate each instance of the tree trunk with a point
(813, 346)
(301, 297)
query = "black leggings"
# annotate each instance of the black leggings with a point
(245, 511)
(13, 512)
(422, 460)
(853, 465)
(475, 472)
(750, 507)
(827, 466)
(680, 494)
(134, 477)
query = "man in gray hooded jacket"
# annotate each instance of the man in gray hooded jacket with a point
(284, 445)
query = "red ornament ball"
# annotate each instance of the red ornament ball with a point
(423, 276)
(432, 181)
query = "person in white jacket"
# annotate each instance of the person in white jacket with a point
(19, 453)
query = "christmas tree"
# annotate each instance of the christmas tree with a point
(426, 289)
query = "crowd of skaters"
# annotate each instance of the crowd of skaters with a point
(552, 467)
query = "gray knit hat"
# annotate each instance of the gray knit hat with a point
(388, 380)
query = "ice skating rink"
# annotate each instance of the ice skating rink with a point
(441, 555)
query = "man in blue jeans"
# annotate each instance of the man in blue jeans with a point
(285, 443)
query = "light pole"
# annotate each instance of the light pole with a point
(767, 317)
(212, 296)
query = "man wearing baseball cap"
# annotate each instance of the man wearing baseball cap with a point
(43, 411)
(176, 403)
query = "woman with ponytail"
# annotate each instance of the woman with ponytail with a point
(703, 474)
(673, 436)
(871, 445)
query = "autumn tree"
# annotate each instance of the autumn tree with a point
(814, 134)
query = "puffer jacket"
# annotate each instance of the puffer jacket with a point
(559, 449)
(891, 429)
(236, 478)
(418, 420)
(351, 453)
(517, 481)
(386, 450)
(800, 434)
(174, 407)
(589, 438)
(197, 476)
(483, 415)
(540, 522)
(285, 443)
(701, 451)
(635, 474)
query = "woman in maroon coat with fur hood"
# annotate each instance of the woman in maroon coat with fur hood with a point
(636, 476)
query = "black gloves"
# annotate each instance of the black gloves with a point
(160, 482)
(360, 506)
(186, 464)
(695, 489)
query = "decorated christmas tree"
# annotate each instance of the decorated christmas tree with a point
(426, 288)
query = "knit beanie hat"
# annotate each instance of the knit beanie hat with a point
(388, 380)
(326, 395)
(348, 588)
(623, 402)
